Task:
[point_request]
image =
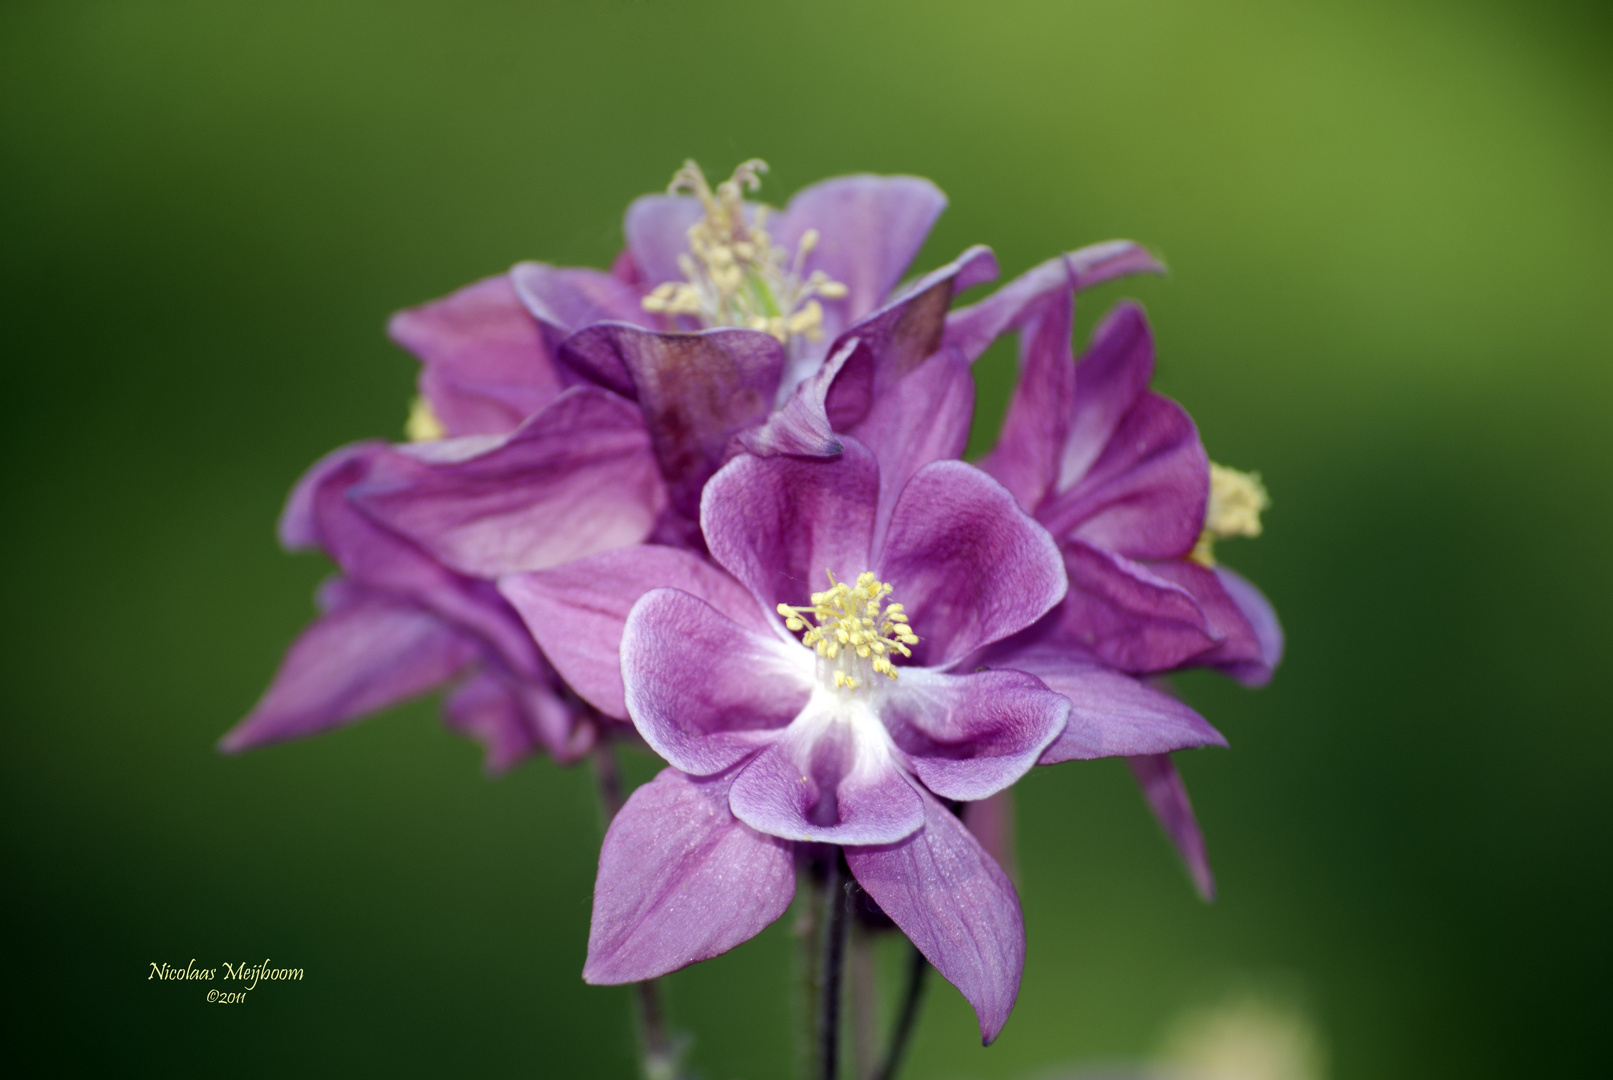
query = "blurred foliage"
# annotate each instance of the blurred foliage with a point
(1387, 225)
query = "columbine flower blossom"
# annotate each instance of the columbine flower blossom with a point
(418, 532)
(785, 724)
(844, 741)
(1117, 474)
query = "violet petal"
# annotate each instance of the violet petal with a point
(577, 611)
(969, 566)
(574, 479)
(704, 691)
(1112, 714)
(975, 327)
(1128, 615)
(869, 230)
(367, 652)
(563, 300)
(485, 365)
(681, 880)
(956, 905)
(515, 719)
(657, 231)
(923, 418)
(1144, 497)
(802, 426)
(826, 780)
(1167, 798)
(1240, 650)
(1261, 616)
(778, 523)
(899, 336)
(697, 392)
(1026, 457)
(970, 736)
(374, 556)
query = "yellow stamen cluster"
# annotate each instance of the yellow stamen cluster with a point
(734, 274)
(423, 425)
(853, 621)
(1236, 500)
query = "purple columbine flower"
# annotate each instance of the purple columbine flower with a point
(1117, 473)
(847, 729)
(419, 531)
(770, 521)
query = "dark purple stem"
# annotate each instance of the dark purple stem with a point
(907, 1019)
(834, 955)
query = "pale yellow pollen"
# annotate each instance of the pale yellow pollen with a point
(1236, 501)
(423, 425)
(734, 275)
(853, 621)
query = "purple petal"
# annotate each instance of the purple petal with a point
(869, 230)
(1127, 615)
(991, 821)
(971, 736)
(680, 881)
(375, 557)
(1240, 650)
(1133, 476)
(1112, 714)
(657, 230)
(899, 336)
(563, 300)
(830, 778)
(703, 690)
(575, 479)
(967, 563)
(975, 327)
(778, 523)
(1035, 429)
(486, 367)
(367, 652)
(923, 418)
(956, 905)
(802, 426)
(1144, 497)
(1262, 618)
(516, 718)
(577, 611)
(1167, 798)
(697, 391)
(298, 527)
(1112, 376)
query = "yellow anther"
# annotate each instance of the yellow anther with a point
(1236, 501)
(423, 425)
(853, 621)
(734, 274)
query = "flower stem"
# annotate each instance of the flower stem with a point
(658, 1057)
(863, 995)
(808, 928)
(907, 1018)
(834, 954)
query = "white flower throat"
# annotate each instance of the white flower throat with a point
(854, 631)
(734, 275)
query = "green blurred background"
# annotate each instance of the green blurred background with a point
(1388, 226)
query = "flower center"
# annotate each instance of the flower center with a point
(734, 275)
(423, 425)
(856, 631)
(1236, 500)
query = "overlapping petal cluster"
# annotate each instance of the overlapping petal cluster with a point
(713, 499)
